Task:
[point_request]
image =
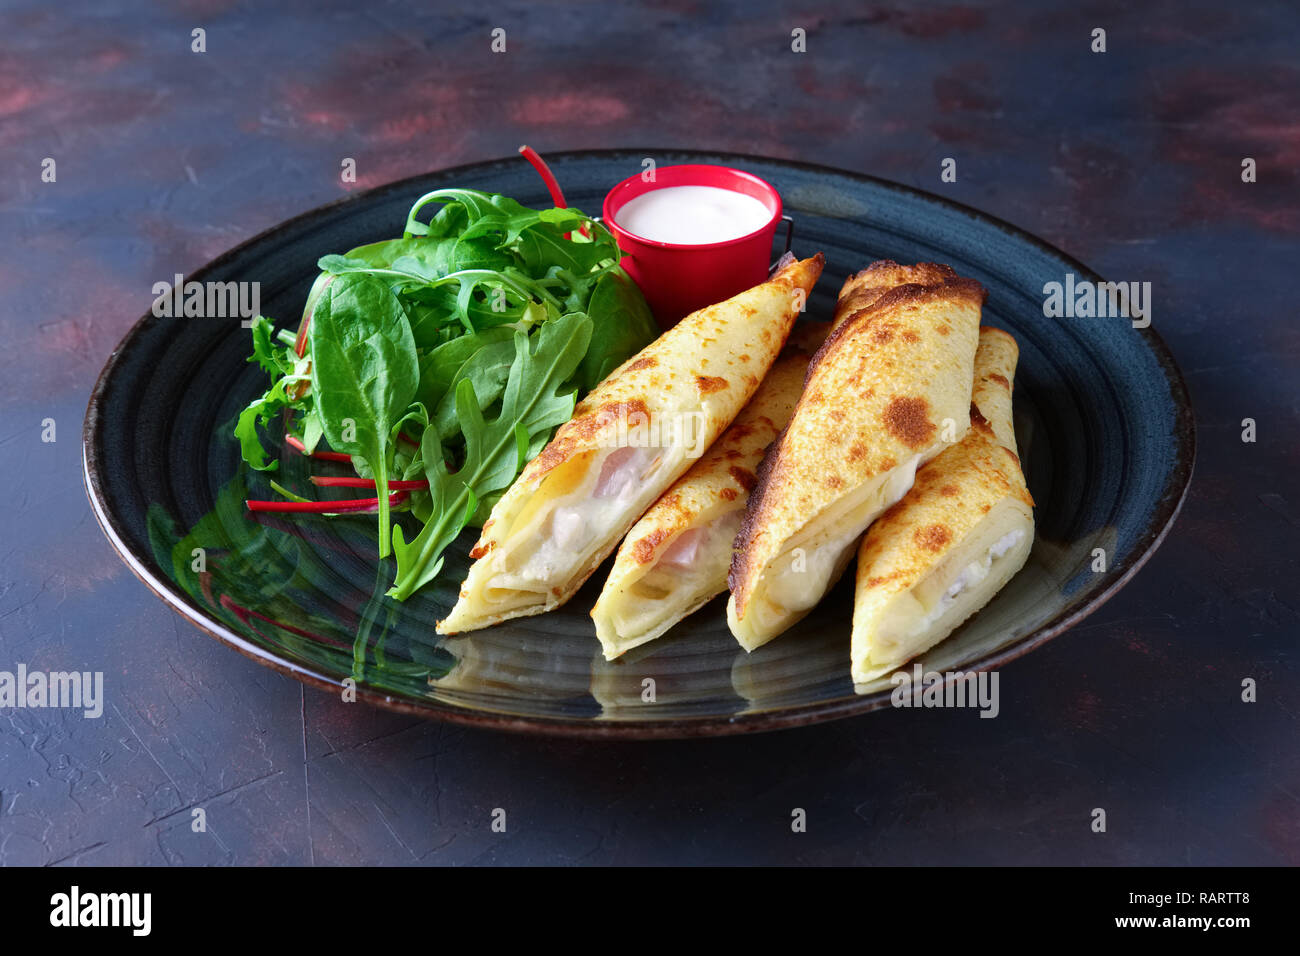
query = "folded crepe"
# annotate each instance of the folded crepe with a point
(862, 290)
(888, 390)
(629, 439)
(960, 534)
(675, 559)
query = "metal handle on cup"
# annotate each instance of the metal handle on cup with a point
(789, 238)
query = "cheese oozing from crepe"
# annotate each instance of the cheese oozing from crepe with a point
(675, 559)
(888, 391)
(961, 533)
(627, 441)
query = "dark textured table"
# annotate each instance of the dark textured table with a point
(1130, 160)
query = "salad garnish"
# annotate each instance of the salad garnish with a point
(439, 363)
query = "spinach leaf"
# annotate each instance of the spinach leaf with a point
(440, 368)
(420, 257)
(477, 254)
(621, 326)
(388, 251)
(364, 374)
(411, 277)
(487, 370)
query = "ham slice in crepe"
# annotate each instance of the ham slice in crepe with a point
(960, 534)
(675, 559)
(629, 439)
(888, 391)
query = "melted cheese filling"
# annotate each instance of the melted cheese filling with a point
(687, 573)
(803, 573)
(965, 579)
(572, 515)
(955, 587)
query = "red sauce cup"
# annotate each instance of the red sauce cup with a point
(678, 278)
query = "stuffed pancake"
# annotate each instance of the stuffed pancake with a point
(888, 391)
(628, 440)
(957, 537)
(675, 559)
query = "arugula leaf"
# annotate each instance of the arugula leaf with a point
(364, 373)
(543, 245)
(532, 405)
(490, 214)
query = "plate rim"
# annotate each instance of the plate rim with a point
(1169, 504)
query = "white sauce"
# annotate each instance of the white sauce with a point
(693, 214)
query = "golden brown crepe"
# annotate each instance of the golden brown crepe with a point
(860, 291)
(675, 559)
(888, 390)
(955, 539)
(629, 439)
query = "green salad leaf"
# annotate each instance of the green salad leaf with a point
(364, 373)
(290, 374)
(532, 405)
(449, 354)
(621, 325)
(442, 367)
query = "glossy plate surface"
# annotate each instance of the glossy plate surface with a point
(1102, 415)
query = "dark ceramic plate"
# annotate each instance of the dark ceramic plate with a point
(1101, 411)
